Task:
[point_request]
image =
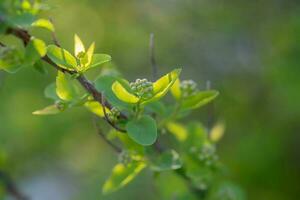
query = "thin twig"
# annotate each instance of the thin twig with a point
(11, 187)
(152, 57)
(210, 108)
(53, 34)
(107, 117)
(115, 147)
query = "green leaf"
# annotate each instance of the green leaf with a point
(217, 132)
(162, 85)
(168, 160)
(142, 130)
(175, 89)
(11, 59)
(122, 175)
(96, 108)
(61, 57)
(34, 50)
(50, 92)
(104, 85)
(156, 107)
(44, 23)
(40, 67)
(99, 59)
(178, 130)
(199, 99)
(122, 93)
(64, 87)
(226, 190)
(49, 110)
(197, 135)
(23, 20)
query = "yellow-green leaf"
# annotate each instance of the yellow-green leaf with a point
(217, 132)
(64, 87)
(178, 130)
(49, 110)
(61, 57)
(122, 175)
(175, 89)
(199, 99)
(90, 53)
(123, 94)
(79, 47)
(96, 108)
(43, 23)
(162, 85)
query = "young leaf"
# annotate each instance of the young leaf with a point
(162, 85)
(90, 53)
(64, 87)
(199, 99)
(96, 108)
(79, 47)
(168, 160)
(123, 94)
(175, 89)
(43, 23)
(49, 110)
(104, 84)
(217, 132)
(50, 92)
(34, 50)
(178, 130)
(122, 175)
(61, 57)
(99, 59)
(143, 130)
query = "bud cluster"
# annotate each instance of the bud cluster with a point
(125, 157)
(188, 88)
(206, 154)
(114, 114)
(142, 88)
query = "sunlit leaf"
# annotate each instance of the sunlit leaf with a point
(90, 53)
(122, 175)
(142, 130)
(123, 94)
(178, 130)
(35, 50)
(217, 132)
(175, 89)
(199, 99)
(168, 160)
(162, 85)
(44, 23)
(79, 47)
(99, 59)
(61, 57)
(96, 108)
(49, 110)
(64, 87)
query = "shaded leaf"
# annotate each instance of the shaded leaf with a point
(142, 130)
(49, 110)
(199, 99)
(168, 160)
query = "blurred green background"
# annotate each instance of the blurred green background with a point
(250, 52)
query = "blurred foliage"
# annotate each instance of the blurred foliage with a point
(248, 50)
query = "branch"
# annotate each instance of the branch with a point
(89, 87)
(11, 187)
(114, 147)
(107, 117)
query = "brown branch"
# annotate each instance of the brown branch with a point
(89, 87)
(11, 187)
(114, 147)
